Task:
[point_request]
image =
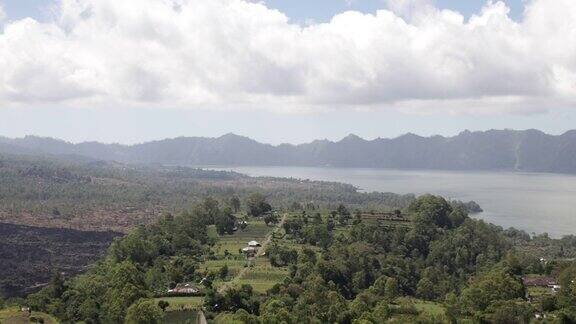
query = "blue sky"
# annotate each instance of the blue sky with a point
(298, 10)
(131, 125)
(18, 9)
(323, 10)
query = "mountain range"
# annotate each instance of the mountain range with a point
(506, 150)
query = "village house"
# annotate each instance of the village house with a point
(253, 244)
(252, 248)
(184, 288)
(546, 282)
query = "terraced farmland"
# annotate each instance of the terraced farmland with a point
(255, 271)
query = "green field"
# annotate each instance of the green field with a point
(428, 307)
(234, 266)
(262, 276)
(13, 315)
(182, 303)
(257, 272)
(256, 230)
(180, 317)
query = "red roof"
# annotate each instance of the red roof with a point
(538, 281)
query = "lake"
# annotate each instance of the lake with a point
(534, 202)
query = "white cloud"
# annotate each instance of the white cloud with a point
(233, 54)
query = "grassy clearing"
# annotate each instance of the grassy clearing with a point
(539, 292)
(234, 266)
(256, 272)
(423, 306)
(431, 308)
(262, 276)
(259, 286)
(265, 274)
(182, 303)
(180, 317)
(14, 315)
(256, 230)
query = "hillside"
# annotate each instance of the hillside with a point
(92, 195)
(529, 150)
(429, 263)
(29, 255)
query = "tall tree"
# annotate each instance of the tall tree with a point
(144, 312)
(225, 222)
(257, 205)
(235, 204)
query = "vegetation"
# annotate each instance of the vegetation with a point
(144, 263)
(331, 267)
(92, 197)
(88, 195)
(15, 315)
(329, 254)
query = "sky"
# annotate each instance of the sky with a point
(284, 70)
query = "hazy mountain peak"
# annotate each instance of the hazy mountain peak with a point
(231, 135)
(410, 135)
(352, 138)
(43, 139)
(479, 150)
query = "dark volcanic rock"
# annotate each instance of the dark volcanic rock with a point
(30, 255)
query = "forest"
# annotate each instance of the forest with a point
(192, 243)
(85, 194)
(438, 265)
(61, 213)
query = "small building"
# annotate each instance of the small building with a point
(253, 244)
(540, 316)
(545, 282)
(538, 281)
(250, 251)
(184, 288)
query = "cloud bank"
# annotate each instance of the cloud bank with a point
(235, 54)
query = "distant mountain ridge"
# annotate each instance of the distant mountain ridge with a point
(511, 150)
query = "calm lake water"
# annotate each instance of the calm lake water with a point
(534, 202)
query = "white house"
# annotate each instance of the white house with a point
(184, 288)
(253, 244)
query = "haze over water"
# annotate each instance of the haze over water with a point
(534, 202)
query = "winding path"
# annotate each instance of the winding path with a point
(201, 318)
